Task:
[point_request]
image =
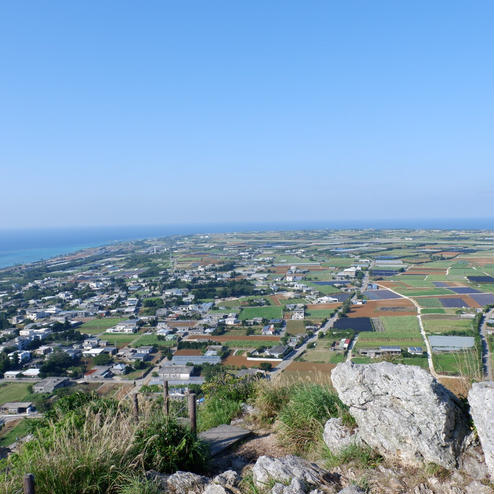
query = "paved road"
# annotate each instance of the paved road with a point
(486, 355)
(296, 353)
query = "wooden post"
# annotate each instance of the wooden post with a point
(166, 398)
(192, 412)
(29, 483)
(136, 406)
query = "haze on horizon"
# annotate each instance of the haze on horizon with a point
(115, 113)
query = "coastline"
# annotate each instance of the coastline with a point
(24, 247)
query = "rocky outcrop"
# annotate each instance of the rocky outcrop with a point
(481, 400)
(179, 482)
(224, 483)
(292, 475)
(337, 436)
(403, 411)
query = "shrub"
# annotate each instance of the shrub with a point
(166, 446)
(217, 411)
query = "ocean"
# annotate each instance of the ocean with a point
(29, 245)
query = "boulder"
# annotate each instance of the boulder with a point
(224, 483)
(352, 489)
(481, 400)
(287, 469)
(337, 436)
(186, 483)
(403, 411)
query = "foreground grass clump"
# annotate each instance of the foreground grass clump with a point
(224, 396)
(359, 455)
(99, 448)
(302, 419)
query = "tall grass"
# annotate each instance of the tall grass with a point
(105, 453)
(302, 419)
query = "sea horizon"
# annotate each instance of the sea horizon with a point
(27, 245)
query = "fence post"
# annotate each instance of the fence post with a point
(29, 483)
(192, 412)
(136, 406)
(166, 398)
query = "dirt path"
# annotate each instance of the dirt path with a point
(422, 332)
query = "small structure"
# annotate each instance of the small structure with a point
(17, 407)
(50, 384)
(451, 343)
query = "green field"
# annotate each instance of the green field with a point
(294, 327)
(319, 313)
(10, 435)
(249, 343)
(119, 340)
(433, 311)
(465, 363)
(99, 325)
(426, 291)
(271, 312)
(13, 392)
(151, 339)
(403, 331)
(445, 325)
(322, 353)
(429, 302)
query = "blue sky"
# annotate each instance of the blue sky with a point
(164, 112)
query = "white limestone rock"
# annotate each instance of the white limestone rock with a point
(337, 436)
(481, 400)
(403, 411)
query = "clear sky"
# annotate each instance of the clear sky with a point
(159, 112)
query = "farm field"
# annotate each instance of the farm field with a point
(322, 353)
(120, 340)
(398, 331)
(151, 339)
(13, 392)
(465, 363)
(97, 326)
(384, 308)
(308, 371)
(271, 312)
(441, 326)
(294, 327)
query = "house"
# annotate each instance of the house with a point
(415, 350)
(298, 314)
(145, 349)
(194, 357)
(176, 372)
(16, 407)
(126, 327)
(99, 372)
(269, 330)
(119, 369)
(231, 320)
(50, 384)
(277, 351)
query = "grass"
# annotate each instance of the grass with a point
(446, 325)
(99, 448)
(302, 417)
(120, 340)
(151, 340)
(320, 313)
(270, 312)
(99, 325)
(10, 434)
(401, 331)
(426, 302)
(463, 363)
(253, 343)
(295, 327)
(355, 454)
(13, 392)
